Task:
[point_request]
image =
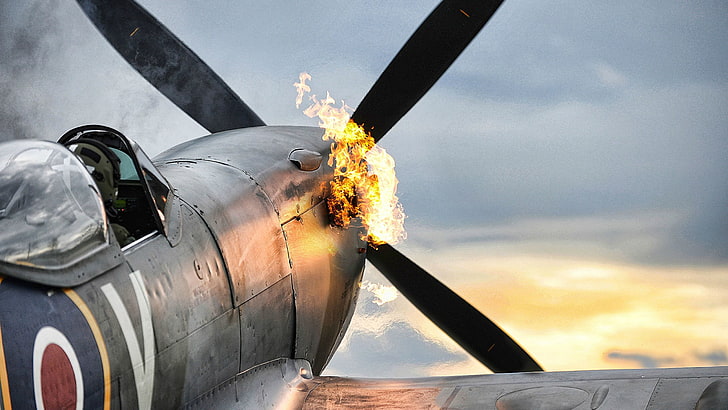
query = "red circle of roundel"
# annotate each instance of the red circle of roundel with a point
(58, 380)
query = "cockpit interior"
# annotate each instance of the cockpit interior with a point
(141, 192)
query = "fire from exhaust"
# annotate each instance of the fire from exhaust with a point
(364, 184)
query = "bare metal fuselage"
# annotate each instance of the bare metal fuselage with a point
(248, 270)
(270, 220)
(239, 299)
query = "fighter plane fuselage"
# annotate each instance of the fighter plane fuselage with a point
(244, 269)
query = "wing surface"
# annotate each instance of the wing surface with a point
(682, 388)
(290, 384)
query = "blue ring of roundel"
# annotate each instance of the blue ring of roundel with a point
(24, 310)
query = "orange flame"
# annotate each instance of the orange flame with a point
(364, 184)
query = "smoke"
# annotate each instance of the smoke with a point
(58, 72)
(29, 38)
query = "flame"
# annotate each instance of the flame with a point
(302, 88)
(364, 184)
(382, 293)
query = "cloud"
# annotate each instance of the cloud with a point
(382, 340)
(716, 357)
(658, 237)
(642, 360)
(399, 352)
(382, 293)
(649, 44)
(569, 310)
(609, 76)
(638, 154)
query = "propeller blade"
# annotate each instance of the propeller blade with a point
(169, 65)
(421, 62)
(477, 334)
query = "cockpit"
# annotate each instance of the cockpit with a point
(140, 201)
(53, 215)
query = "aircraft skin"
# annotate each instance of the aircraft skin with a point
(236, 289)
(240, 299)
(249, 271)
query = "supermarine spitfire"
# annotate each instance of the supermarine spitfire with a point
(212, 276)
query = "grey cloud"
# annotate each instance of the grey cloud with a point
(643, 360)
(367, 307)
(400, 351)
(535, 51)
(715, 357)
(261, 47)
(643, 153)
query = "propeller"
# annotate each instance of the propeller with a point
(421, 62)
(414, 70)
(169, 65)
(475, 333)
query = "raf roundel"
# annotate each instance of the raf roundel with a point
(57, 376)
(57, 361)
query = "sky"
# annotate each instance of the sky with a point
(567, 175)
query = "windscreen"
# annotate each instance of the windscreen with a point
(51, 215)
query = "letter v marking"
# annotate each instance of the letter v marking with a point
(143, 366)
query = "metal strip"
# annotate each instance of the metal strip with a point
(99, 343)
(450, 399)
(4, 387)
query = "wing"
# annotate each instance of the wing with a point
(605, 389)
(289, 383)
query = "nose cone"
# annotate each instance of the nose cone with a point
(284, 172)
(327, 267)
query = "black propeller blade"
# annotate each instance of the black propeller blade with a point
(421, 62)
(477, 334)
(188, 82)
(169, 65)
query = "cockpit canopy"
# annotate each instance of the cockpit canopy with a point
(143, 192)
(51, 215)
(54, 227)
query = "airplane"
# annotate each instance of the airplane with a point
(236, 289)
